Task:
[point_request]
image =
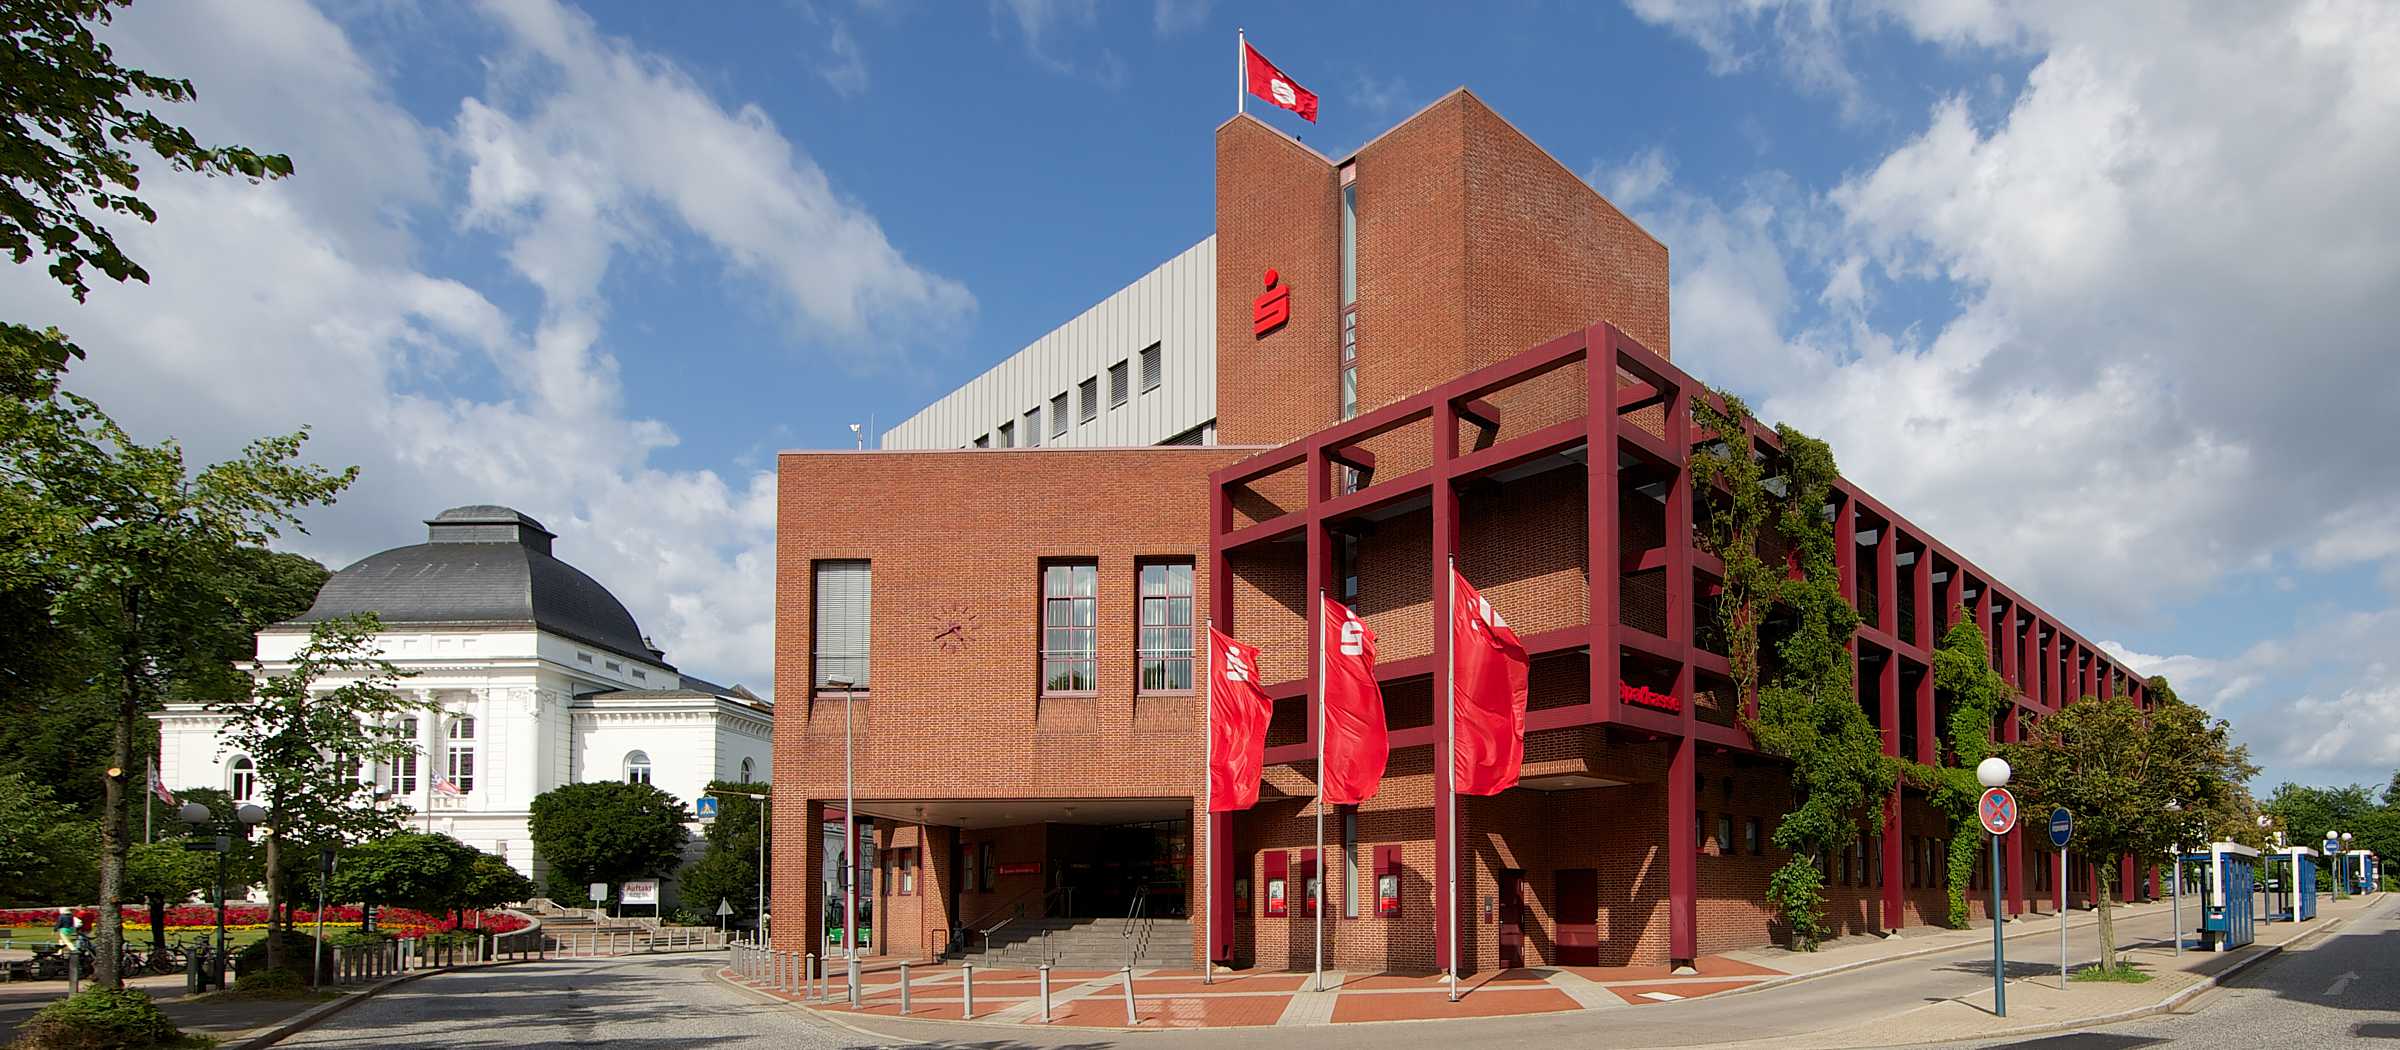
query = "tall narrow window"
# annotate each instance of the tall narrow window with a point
(1349, 293)
(1008, 435)
(1058, 414)
(404, 768)
(845, 598)
(459, 769)
(748, 768)
(1087, 400)
(1150, 368)
(1070, 650)
(984, 441)
(637, 767)
(1118, 382)
(1033, 426)
(241, 778)
(1166, 639)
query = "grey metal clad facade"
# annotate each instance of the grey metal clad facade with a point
(1172, 307)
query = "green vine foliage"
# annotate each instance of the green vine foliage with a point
(1809, 713)
(1963, 675)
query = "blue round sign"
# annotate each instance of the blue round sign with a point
(2062, 826)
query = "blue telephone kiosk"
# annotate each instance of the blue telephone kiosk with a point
(2227, 911)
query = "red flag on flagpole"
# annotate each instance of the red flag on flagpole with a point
(1238, 711)
(1488, 673)
(1357, 742)
(1268, 82)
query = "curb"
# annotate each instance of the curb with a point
(1861, 964)
(316, 1015)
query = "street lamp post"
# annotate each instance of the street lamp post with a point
(244, 817)
(2333, 845)
(1993, 772)
(849, 837)
(2174, 806)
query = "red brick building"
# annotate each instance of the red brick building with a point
(1467, 322)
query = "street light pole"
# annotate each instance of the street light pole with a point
(244, 815)
(850, 885)
(2333, 845)
(2176, 913)
(1993, 773)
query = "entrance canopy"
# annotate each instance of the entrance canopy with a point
(1003, 813)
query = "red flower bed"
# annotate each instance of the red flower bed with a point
(199, 915)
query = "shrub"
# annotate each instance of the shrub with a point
(270, 984)
(298, 949)
(100, 1019)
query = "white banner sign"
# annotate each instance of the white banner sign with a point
(641, 891)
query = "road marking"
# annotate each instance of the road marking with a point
(1659, 997)
(2341, 984)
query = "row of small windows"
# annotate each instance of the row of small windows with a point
(1069, 652)
(1086, 404)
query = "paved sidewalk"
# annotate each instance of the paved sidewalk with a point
(1165, 999)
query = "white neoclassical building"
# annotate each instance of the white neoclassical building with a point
(537, 677)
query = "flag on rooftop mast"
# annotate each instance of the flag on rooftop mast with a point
(1259, 77)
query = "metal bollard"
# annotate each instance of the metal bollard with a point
(74, 971)
(903, 989)
(808, 976)
(1130, 1018)
(1044, 969)
(967, 982)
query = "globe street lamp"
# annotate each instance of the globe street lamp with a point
(1993, 774)
(245, 816)
(2345, 862)
(2333, 848)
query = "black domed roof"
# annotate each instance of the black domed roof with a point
(483, 564)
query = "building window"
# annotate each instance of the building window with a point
(404, 768)
(983, 441)
(460, 727)
(637, 767)
(1058, 414)
(1349, 298)
(615, 666)
(748, 768)
(1008, 435)
(1118, 382)
(845, 597)
(1345, 568)
(640, 674)
(1033, 427)
(908, 872)
(241, 778)
(1150, 368)
(1070, 653)
(461, 772)
(1700, 831)
(1166, 638)
(583, 658)
(987, 866)
(1087, 400)
(1750, 837)
(1725, 834)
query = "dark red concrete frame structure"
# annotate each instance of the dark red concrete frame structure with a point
(2047, 664)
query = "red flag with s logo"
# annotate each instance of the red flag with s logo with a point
(1268, 82)
(1357, 741)
(1238, 711)
(1488, 668)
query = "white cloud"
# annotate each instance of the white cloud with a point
(1170, 17)
(301, 302)
(1378, 95)
(1808, 41)
(846, 67)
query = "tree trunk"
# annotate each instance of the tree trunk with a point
(158, 923)
(274, 896)
(110, 946)
(2108, 927)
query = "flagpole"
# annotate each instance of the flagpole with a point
(1208, 799)
(149, 811)
(1317, 968)
(1241, 70)
(1450, 736)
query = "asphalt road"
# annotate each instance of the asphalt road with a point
(2340, 990)
(634, 1003)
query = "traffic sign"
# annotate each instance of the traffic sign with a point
(2062, 827)
(599, 892)
(706, 807)
(1998, 811)
(724, 907)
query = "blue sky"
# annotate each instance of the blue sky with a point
(2113, 323)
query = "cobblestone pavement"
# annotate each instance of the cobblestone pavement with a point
(631, 1003)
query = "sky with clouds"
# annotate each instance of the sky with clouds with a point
(2101, 293)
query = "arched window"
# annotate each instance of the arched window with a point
(461, 727)
(637, 767)
(242, 778)
(747, 769)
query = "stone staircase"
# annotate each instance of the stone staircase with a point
(1086, 944)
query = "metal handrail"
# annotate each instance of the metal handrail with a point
(1137, 918)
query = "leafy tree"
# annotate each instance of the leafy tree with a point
(607, 832)
(493, 883)
(2117, 767)
(1963, 675)
(728, 869)
(412, 869)
(137, 554)
(66, 158)
(309, 743)
(46, 852)
(163, 873)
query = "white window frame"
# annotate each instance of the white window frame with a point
(842, 648)
(636, 767)
(1058, 640)
(241, 778)
(1155, 647)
